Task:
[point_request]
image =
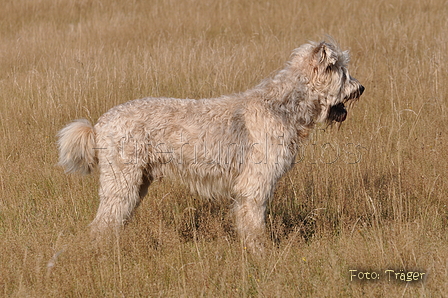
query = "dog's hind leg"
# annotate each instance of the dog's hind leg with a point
(121, 189)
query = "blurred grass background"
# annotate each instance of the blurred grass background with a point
(370, 196)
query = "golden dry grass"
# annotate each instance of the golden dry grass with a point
(374, 199)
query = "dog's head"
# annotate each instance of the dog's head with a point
(329, 82)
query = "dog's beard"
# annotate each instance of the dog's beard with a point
(337, 113)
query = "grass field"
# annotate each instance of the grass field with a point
(370, 197)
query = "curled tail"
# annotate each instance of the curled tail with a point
(76, 147)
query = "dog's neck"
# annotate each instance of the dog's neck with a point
(284, 94)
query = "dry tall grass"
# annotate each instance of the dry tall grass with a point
(370, 196)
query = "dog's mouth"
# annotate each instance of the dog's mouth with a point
(337, 113)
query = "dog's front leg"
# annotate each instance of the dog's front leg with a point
(252, 193)
(250, 222)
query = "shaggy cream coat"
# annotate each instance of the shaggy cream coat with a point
(235, 146)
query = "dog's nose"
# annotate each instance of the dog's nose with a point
(361, 89)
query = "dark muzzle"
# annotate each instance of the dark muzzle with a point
(337, 113)
(356, 94)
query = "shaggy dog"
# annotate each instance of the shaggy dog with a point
(235, 146)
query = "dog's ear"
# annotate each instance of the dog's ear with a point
(325, 55)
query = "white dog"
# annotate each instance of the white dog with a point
(235, 146)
